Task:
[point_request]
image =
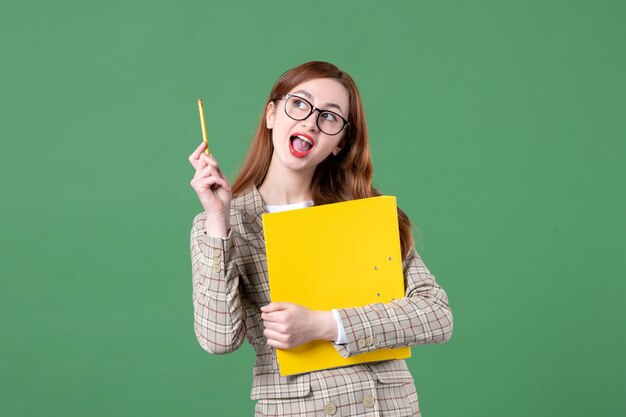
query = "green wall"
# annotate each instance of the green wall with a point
(500, 126)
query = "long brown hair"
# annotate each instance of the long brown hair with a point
(346, 176)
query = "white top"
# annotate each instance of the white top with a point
(285, 207)
(341, 338)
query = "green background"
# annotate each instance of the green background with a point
(500, 126)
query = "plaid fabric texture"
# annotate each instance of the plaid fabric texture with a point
(349, 391)
(230, 284)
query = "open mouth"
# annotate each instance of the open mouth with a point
(300, 145)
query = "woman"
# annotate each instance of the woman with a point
(311, 147)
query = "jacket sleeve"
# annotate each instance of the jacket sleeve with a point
(422, 316)
(218, 312)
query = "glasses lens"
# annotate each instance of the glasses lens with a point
(297, 108)
(329, 122)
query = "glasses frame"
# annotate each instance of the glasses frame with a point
(319, 113)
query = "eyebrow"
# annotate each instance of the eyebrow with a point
(306, 93)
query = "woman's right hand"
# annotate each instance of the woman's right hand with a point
(213, 190)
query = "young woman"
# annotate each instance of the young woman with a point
(310, 148)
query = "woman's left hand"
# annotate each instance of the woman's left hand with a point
(288, 325)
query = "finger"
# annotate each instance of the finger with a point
(222, 183)
(198, 151)
(195, 155)
(208, 171)
(221, 173)
(274, 335)
(209, 160)
(212, 159)
(198, 163)
(281, 341)
(202, 162)
(273, 324)
(212, 170)
(278, 345)
(275, 307)
(209, 182)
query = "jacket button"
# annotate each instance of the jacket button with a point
(217, 268)
(368, 401)
(330, 409)
(376, 341)
(369, 341)
(362, 343)
(217, 252)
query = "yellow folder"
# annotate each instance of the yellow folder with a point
(334, 256)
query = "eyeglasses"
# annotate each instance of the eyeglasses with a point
(327, 121)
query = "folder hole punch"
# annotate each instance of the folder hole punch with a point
(375, 268)
(390, 258)
(377, 294)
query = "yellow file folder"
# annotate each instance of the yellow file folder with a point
(334, 256)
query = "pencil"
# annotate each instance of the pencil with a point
(203, 124)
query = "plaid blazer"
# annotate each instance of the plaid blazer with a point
(230, 284)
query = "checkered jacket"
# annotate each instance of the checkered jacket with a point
(230, 284)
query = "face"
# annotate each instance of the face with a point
(300, 145)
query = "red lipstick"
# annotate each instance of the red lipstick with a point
(305, 140)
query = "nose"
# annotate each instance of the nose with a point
(311, 121)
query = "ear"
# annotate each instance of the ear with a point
(270, 113)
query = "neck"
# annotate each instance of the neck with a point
(283, 186)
